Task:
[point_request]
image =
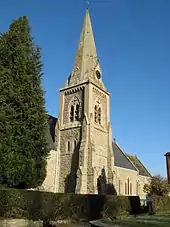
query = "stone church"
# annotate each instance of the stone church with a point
(82, 151)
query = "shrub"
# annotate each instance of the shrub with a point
(36, 205)
(161, 204)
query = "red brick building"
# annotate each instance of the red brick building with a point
(167, 155)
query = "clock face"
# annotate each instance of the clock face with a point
(98, 74)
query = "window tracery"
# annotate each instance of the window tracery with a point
(97, 112)
(72, 113)
(74, 109)
(128, 187)
(77, 112)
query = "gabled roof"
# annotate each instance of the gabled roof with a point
(138, 164)
(128, 161)
(51, 132)
(120, 159)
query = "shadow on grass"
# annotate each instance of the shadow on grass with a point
(145, 221)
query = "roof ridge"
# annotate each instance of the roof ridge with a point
(143, 166)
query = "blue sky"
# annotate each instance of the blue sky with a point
(133, 45)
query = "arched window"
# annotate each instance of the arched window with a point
(137, 188)
(77, 112)
(125, 188)
(75, 145)
(72, 113)
(68, 147)
(95, 114)
(99, 115)
(130, 188)
(74, 109)
(119, 187)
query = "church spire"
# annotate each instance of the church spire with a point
(86, 66)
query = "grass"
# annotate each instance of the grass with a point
(145, 221)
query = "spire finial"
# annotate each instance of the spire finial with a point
(87, 4)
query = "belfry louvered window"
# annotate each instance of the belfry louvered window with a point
(74, 109)
(97, 114)
(77, 112)
(72, 113)
(68, 147)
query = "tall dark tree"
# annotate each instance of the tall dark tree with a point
(23, 148)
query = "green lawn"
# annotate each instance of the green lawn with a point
(145, 221)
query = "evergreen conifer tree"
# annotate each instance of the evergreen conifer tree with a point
(23, 123)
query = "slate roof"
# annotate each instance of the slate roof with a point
(138, 164)
(120, 159)
(51, 132)
(128, 161)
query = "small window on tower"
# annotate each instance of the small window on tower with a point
(68, 147)
(72, 113)
(95, 114)
(75, 145)
(77, 112)
(99, 115)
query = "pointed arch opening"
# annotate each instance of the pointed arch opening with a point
(72, 113)
(74, 107)
(95, 113)
(68, 147)
(125, 188)
(119, 182)
(99, 115)
(130, 188)
(75, 145)
(137, 188)
(77, 112)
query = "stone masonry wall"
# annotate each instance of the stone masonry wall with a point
(120, 178)
(142, 180)
(69, 159)
(69, 99)
(49, 182)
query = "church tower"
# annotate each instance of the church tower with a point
(84, 138)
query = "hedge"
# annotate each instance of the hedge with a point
(161, 204)
(36, 205)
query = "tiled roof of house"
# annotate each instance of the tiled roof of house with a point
(138, 164)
